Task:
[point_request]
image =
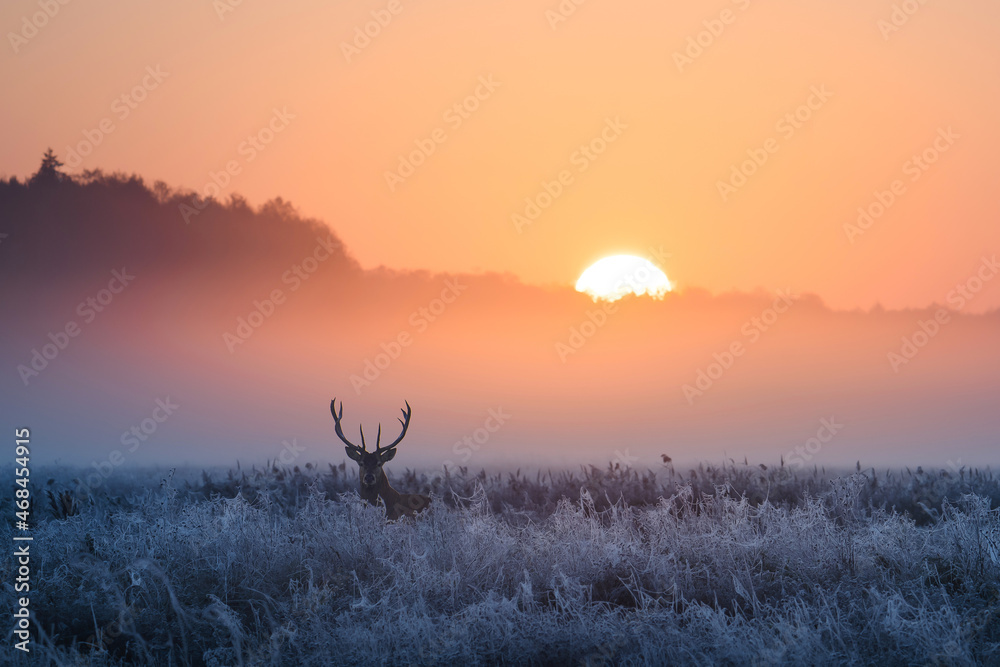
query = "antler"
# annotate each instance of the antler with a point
(340, 431)
(405, 422)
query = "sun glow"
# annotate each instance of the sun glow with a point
(613, 277)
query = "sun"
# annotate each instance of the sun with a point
(613, 277)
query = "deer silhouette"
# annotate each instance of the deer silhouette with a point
(374, 484)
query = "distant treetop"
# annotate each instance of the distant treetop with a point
(48, 170)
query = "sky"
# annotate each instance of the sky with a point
(524, 138)
(816, 179)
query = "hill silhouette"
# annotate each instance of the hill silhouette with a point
(65, 226)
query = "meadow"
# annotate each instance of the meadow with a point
(731, 564)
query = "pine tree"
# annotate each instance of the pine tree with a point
(48, 171)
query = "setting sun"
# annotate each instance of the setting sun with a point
(613, 277)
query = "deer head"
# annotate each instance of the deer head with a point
(375, 486)
(371, 473)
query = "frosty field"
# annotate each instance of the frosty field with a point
(733, 565)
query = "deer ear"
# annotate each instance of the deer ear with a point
(387, 456)
(353, 453)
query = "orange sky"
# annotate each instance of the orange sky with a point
(677, 130)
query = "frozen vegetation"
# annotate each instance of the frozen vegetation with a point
(733, 565)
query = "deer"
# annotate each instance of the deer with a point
(374, 483)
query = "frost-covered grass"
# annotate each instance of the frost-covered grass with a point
(733, 565)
